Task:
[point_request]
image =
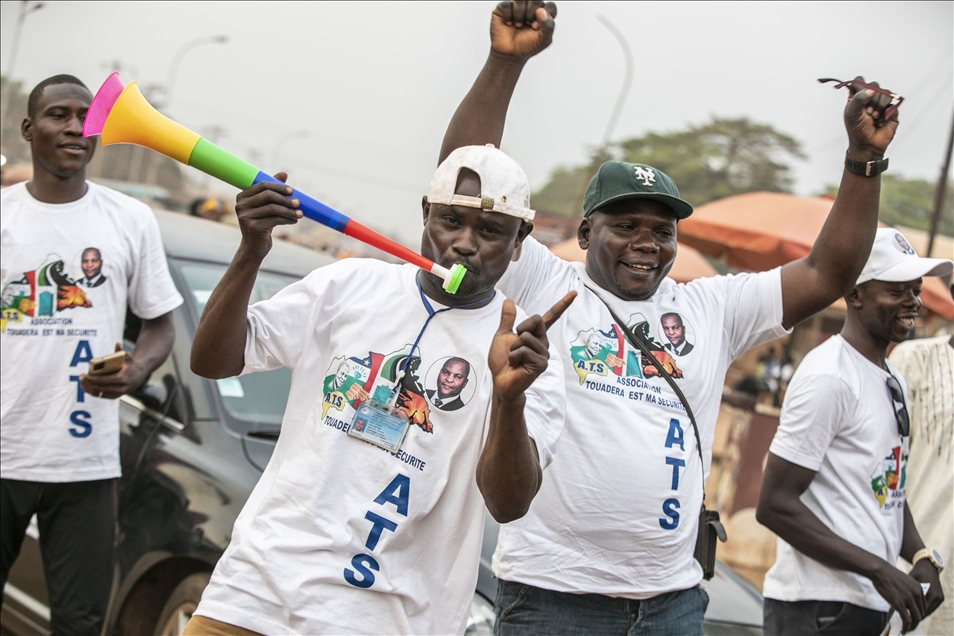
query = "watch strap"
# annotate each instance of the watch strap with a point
(866, 169)
(926, 553)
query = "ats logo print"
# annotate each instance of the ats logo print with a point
(600, 352)
(41, 292)
(352, 380)
(887, 480)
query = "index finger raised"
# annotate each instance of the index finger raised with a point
(554, 313)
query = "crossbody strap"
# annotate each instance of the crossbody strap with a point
(640, 344)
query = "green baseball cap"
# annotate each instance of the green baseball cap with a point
(618, 181)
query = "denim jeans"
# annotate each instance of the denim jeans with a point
(807, 618)
(525, 610)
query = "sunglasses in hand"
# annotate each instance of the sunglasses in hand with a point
(888, 113)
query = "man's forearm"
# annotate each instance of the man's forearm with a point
(218, 349)
(508, 473)
(154, 343)
(844, 243)
(911, 542)
(480, 118)
(798, 526)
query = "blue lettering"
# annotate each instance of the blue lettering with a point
(80, 393)
(675, 435)
(85, 428)
(670, 508)
(82, 354)
(402, 485)
(361, 563)
(380, 524)
(676, 465)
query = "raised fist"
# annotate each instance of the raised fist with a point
(522, 29)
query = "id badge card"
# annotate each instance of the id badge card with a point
(375, 424)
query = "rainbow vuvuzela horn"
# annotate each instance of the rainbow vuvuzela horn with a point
(123, 116)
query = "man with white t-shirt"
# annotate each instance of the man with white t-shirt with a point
(74, 256)
(345, 534)
(835, 479)
(927, 366)
(607, 546)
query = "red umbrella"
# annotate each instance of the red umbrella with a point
(689, 265)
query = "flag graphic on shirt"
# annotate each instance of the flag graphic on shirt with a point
(889, 476)
(604, 351)
(41, 292)
(351, 380)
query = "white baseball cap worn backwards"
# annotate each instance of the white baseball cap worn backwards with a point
(893, 260)
(504, 186)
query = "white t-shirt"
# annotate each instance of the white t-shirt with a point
(619, 508)
(55, 319)
(927, 366)
(838, 419)
(340, 536)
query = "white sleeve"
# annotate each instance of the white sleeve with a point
(814, 409)
(753, 310)
(151, 292)
(278, 327)
(527, 278)
(545, 408)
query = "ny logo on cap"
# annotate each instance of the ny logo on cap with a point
(647, 175)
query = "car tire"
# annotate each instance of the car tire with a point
(181, 604)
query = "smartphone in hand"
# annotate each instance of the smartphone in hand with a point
(107, 365)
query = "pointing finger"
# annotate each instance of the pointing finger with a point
(508, 314)
(557, 310)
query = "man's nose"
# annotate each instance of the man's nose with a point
(643, 240)
(75, 125)
(466, 241)
(912, 300)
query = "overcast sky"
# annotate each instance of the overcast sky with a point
(374, 84)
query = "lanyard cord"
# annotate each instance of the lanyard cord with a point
(430, 314)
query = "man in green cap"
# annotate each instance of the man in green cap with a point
(607, 545)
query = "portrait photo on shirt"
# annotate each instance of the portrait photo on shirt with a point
(91, 263)
(447, 383)
(677, 335)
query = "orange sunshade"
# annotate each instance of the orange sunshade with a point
(756, 231)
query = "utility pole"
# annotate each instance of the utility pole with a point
(939, 192)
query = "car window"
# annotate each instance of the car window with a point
(258, 398)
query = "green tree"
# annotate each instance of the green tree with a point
(710, 161)
(910, 202)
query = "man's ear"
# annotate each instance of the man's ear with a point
(26, 129)
(583, 233)
(854, 298)
(425, 207)
(526, 227)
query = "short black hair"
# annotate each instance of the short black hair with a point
(37, 92)
(461, 361)
(674, 315)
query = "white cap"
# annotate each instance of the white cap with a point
(893, 260)
(504, 186)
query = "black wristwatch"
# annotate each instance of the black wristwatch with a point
(869, 169)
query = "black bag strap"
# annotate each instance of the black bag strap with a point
(640, 344)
